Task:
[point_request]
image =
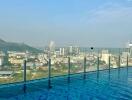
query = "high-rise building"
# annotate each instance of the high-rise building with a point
(51, 49)
(70, 49)
(73, 50)
(105, 56)
(62, 51)
(52, 46)
(130, 48)
(77, 51)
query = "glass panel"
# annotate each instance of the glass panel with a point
(130, 56)
(91, 56)
(130, 61)
(11, 69)
(37, 66)
(104, 59)
(114, 59)
(77, 59)
(77, 65)
(59, 66)
(123, 55)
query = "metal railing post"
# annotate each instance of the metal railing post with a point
(84, 68)
(109, 67)
(24, 76)
(49, 74)
(127, 61)
(109, 64)
(119, 64)
(25, 71)
(127, 64)
(69, 69)
(98, 67)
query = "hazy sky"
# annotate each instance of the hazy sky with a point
(102, 23)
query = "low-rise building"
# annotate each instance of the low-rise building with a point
(1, 61)
(2, 55)
(5, 74)
(16, 58)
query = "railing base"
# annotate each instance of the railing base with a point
(24, 88)
(49, 84)
(84, 76)
(68, 79)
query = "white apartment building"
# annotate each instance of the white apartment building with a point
(1, 61)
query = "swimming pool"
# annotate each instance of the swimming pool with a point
(96, 86)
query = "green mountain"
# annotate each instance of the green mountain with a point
(10, 46)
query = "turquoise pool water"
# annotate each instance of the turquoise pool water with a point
(102, 86)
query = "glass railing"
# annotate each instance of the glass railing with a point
(91, 60)
(76, 64)
(37, 65)
(59, 66)
(64, 61)
(11, 69)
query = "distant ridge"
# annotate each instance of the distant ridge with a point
(1, 40)
(11, 46)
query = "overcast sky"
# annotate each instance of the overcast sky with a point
(101, 23)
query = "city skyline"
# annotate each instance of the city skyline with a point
(98, 23)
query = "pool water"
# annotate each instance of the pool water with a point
(96, 86)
